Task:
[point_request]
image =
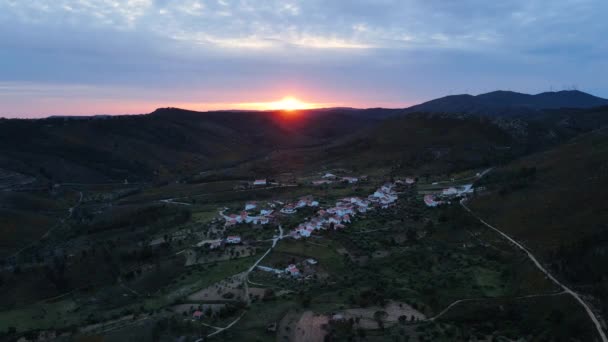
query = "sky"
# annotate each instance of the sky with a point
(80, 57)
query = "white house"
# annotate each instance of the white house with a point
(233, 239)
(259, 182)
(329, 176)
(334, 219)
(250, 206)
(449, 191)
(303, 231)
(288, 209)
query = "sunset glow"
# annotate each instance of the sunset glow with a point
(288, 103)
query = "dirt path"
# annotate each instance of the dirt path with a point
(566, 289)
(275, 240)
(483, 173)
(173, 201)
(219, 330)
(444, 311)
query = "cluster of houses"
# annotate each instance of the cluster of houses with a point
(433, 200)
(335, 217)
(329, 178)
(247, 216)
(306, 201)
(344, 210)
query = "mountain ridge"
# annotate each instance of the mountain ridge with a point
(508, 103)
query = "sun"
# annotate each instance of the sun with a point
(289, 103)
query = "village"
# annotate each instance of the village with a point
(255, 249)
(336, 217)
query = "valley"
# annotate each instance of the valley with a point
(406, 227)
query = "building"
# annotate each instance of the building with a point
(260, 182)
(292, 270)
(288, 209)
(304, 232)
(430, 201)
(233, 239)
(449, 191)
(266, 212)
(250, 206)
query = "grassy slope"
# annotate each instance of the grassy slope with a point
(425, 143)
(560, 213)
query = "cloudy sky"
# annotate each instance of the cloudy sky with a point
(131, 56)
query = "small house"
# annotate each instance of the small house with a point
(234, 239)
(260, 182)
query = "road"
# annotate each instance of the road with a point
(566, 289)
(483, 173)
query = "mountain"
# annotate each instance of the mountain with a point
(507, 103)
(172, 143)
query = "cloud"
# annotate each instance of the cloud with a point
(380, 51)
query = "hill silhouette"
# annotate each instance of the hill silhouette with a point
(506, 103)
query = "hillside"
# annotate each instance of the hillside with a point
(554, 202)
(443, 142)
(166, 143)
(425, 142)
(508, 103)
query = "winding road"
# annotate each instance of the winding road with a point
(566, 289)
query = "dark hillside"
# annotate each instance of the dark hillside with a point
(555, 203)
(442, 144)
(169, 142)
